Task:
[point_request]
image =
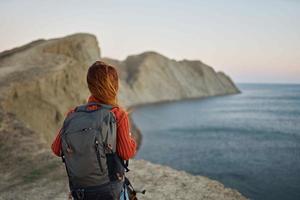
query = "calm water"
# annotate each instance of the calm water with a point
(249, 141)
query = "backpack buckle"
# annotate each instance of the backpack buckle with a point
(108, 147)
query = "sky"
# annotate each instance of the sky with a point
(250, 40)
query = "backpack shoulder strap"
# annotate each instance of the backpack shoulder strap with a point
(109, 130)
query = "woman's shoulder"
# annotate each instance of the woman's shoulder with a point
(119, 112)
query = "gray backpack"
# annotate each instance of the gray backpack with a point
(89, 147)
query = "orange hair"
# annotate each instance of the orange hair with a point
(103, 82)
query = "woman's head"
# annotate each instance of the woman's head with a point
(103, 82)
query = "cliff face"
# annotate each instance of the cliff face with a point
(151, 77)
(40, 81)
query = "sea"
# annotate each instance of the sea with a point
(248, 141)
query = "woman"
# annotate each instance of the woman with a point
(103, 84)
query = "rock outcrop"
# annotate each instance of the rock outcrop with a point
(40, 81)
(150, 77)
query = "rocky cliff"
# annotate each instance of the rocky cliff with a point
(151, 77)
(40, 81)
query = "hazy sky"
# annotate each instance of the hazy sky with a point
(250, 40)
